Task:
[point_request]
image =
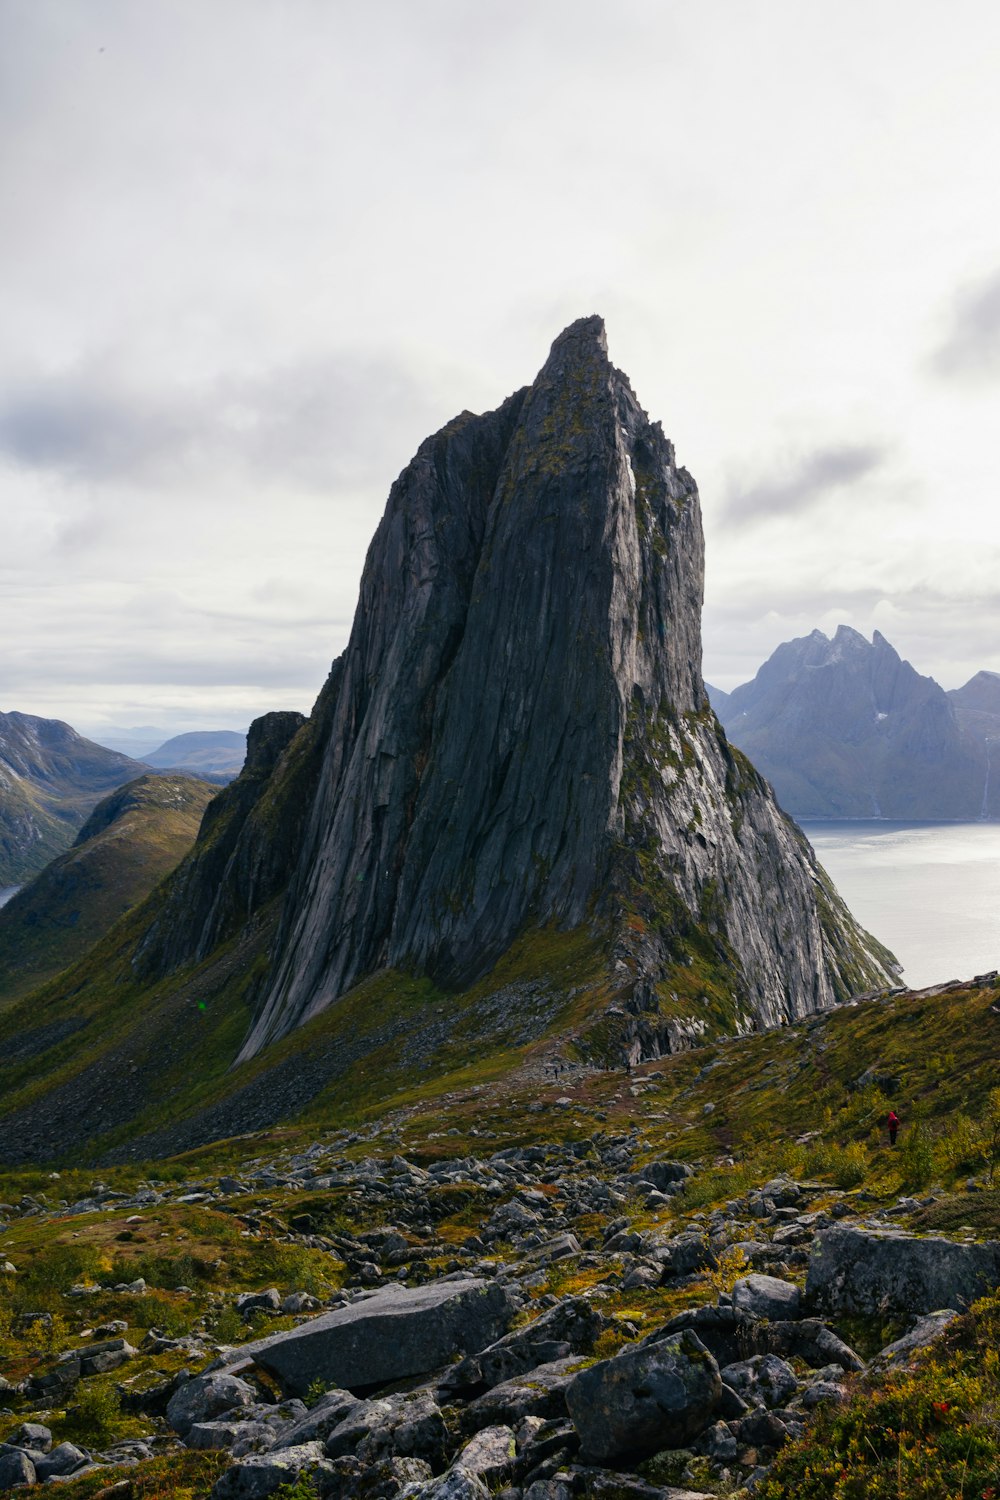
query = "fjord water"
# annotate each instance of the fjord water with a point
(6, 891)
(929, 891)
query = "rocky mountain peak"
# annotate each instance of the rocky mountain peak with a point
(847, 728)
(517, 738)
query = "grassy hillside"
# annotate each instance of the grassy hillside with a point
(132, 840)
(808, 1100)
(50, 780)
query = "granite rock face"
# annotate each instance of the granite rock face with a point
(869, 1271)
(644, 1399)
(518, 734)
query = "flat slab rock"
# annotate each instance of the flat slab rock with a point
(398, 1332)
(875, 1270)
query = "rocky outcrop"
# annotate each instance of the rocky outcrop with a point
(644, 1399)
(844, 728)
(872, 1271)
(246, 847)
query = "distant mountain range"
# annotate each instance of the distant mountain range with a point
(845, 728)
(215, 752)
(131, 840)
(50, 780)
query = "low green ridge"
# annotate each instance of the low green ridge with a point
(130, 842)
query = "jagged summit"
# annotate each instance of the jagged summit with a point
(845, 728)
(518, 734)
(511, 821)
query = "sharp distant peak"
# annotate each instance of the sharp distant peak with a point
(847, 636)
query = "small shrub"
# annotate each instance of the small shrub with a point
(302, 1487)
(731, 1265)
(916, 1157)
(96, 1414)
(228, 1327)
(850, 1165)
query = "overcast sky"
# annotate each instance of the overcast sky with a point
(253, 251)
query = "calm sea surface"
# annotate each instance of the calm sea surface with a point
(929, 891)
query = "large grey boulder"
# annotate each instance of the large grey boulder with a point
(663, 1174)
(570, 1327)
(16, 1469)
(206, 1397)
(644, 1399)
(31, 1435)
(397, 1332)
(872, 1271)
(64, 1459)
(260, 1474)
(766, 1297)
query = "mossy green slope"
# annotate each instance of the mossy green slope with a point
(132, 840)
(50, 780)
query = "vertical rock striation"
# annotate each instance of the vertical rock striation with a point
(518, 734)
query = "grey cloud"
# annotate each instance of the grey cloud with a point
(317, 424)
(805, 484)
(970, 349)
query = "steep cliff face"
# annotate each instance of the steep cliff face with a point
(518, 733)
(244, 852)
(844, 728)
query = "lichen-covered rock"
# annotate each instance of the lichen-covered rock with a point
(568, 1328)
(763, 1380)
(489, 1454)
(16, 1468)
(878, 1270)
(400, 1426)
(320, 1420)
(766, 1297)
(397, 1332)
(206, 1397)
(260, 1474)
(33, 1435)
(644, 1399)
(536, 1393)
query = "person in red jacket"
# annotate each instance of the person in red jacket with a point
(893, 1124)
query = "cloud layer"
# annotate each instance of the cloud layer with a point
(253, 254)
